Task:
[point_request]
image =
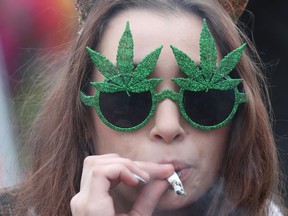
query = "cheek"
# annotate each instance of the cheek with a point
(212, 151)
(103, 136)
(107, 140)
(212, 159)
(210, 156)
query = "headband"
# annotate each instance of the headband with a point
(234, 8)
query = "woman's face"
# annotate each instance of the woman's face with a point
(167, 138)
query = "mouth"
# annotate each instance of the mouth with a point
(179, 173)
(182, 168)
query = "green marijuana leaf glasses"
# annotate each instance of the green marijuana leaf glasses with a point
(119, 96)
(126, 99)
(211, 85)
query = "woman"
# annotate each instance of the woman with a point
(85, 161)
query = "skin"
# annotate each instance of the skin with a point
(152, 151)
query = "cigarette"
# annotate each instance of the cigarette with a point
(176, 183)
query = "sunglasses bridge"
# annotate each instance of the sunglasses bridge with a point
(167, 93)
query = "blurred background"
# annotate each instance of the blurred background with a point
(32, 32)
(267, 26)
(30, 29)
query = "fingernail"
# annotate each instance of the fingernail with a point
(139, 178)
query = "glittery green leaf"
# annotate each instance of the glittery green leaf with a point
(181, 82)
(227, 64)
(125, 76)
(208, 76)
(119, 80)
(103, 64)
(189, 84)
(146, 66)
(125, 53)
(145, 85)
(242, 98)
(208, 53)
(226, 84)
(107, 87)
(87, 100)
(187, 65)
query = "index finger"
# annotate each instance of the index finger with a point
(148, 199)
(155, 170)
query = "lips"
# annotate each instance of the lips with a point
(182, 168)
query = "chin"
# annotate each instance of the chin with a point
(171, 201)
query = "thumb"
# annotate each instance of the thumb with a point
(148, 198)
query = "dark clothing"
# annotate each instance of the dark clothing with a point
(6, 206)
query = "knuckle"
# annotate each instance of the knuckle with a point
(80, 206)
(73, 202)
(76, 204)
(97, 171)
(113, 155)
(135, 212)
(120, 167)
(89, 161)
(128, 163)
(91, 209)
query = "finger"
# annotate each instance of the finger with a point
(90, 162)
(131, 165)
(81, 205)
(102, 178)
(111, 155)
(155, 170)
(97, 189)
(95, 162)
(148, 198)
(98, 183)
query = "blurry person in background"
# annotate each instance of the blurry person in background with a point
(29, 27)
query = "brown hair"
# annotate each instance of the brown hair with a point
(61, 132)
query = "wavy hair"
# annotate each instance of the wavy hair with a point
(249, 175)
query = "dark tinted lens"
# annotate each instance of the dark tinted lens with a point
(208, 108)
(123, 110)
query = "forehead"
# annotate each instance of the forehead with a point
(150, 30)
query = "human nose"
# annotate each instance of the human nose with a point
(167, 127)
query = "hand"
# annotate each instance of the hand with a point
(102, 173)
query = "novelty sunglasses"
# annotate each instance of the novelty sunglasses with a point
(125, 101)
